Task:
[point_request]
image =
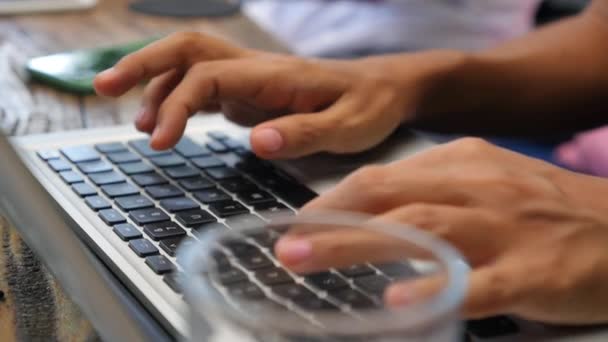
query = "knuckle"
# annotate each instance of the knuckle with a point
(186, 38)
(368, 177)
(469, 146)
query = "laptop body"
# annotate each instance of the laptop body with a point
(57, 163)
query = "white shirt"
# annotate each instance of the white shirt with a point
(337, 27)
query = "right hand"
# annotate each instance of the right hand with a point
(300, 106)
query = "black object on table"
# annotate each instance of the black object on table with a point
(187, 8)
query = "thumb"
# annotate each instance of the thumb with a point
(297, 135)
(491, 290)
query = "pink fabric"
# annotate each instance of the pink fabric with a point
(587, 152)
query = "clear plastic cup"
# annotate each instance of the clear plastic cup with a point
(236, 287)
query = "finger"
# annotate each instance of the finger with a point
(177, 51)
(203, 84)
(465, 228)
(376, 189)
(491, 290)
(312, 252)
(297, 135)
(154, 94)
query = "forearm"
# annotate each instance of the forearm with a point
(551, 81)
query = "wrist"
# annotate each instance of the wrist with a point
(421, 76)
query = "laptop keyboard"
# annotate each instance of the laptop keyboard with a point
(156, 200)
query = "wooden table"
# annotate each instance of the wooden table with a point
(34, 307)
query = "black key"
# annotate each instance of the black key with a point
(231, 144)
(71, 177)
(170, 245)
(111, 147)
(160, 264)
(127, 231)
(264, 238)
(209, 227)
(353, 297)
(194, 184)
(168, 160)
(135, 168)
(147, 216)
(104, 178)
(227, 208)
(143, 147)
(217, 147)
(148, 179)
(374, 284)
(217, 135)
(315, 304)
(222, 173)
(193, 218)
(255, 196)
(180, 172)
(207, 162)
(357, 270)
(171, 280)
(123, 157)
(97, 203)
(129, 203)
(79, 154)
(272, 210)
(492, 327)
(94, 167)
(293, 291)
(283, 185)
(59, 165)
(143, 247)
(84, 189)
(47, 155)
(120, 189)
(256, 261)
(243, 152)
(397, 270)
(273, 276)
(326, 281)
(232, 276)
(189, 149)
(111, 217)
(163, 230)
(164, 191)
(178, 204)
(248, 291)
(221, 261)
(211, 195)
(241, 249)
(243, 222)
(238, 184)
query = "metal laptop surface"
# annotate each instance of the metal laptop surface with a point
(166, 306)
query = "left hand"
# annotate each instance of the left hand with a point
(536, 236)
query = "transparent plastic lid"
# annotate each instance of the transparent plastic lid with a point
(358, 278)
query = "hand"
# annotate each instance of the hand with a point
(536, 236)
(300, 106)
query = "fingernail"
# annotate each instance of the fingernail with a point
(293, 251)
(399, 295)
(269, 139)
(108, 73)
(140, 115)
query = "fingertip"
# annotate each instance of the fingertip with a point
(112, 82)
(267, 142)
(292, 251)
(144, 121)
(398, 295)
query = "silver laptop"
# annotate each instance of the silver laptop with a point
(105, 191)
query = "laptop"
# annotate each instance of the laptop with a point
(107, 213)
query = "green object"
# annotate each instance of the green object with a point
(74, 71)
